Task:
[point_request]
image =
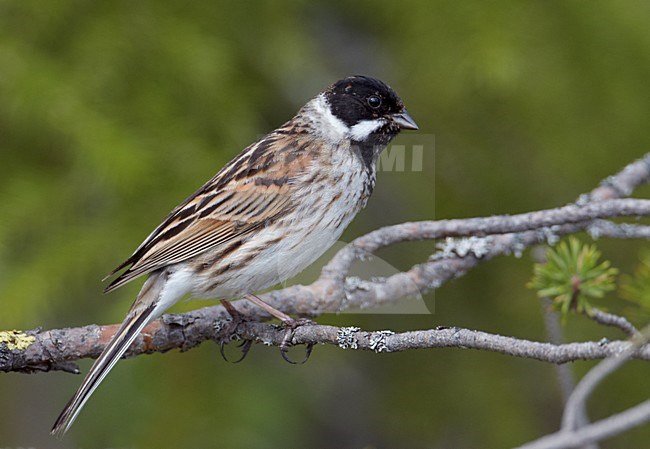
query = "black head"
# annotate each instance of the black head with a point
(360, 98)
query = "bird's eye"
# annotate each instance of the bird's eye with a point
(374, 101)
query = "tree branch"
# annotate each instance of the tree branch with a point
(600, 430)
(573, 433)
(187, 330)
(609, 319)
(334, 291)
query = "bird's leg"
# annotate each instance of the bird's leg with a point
(269, 308)
(234, 313)
(291, 324)
(237, 318)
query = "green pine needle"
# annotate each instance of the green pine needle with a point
(573, 275)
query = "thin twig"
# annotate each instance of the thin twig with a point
(609, 319)
(621, 184)
(554, 333)
(575, 406)
(603, 228)
(572, 433)
(598, 431)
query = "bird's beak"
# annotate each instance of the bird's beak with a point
(404, 120)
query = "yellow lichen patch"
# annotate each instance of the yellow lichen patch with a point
(16, 340)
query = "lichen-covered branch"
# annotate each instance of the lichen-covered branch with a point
(469, 242)
(188, 330)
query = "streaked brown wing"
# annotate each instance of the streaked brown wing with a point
(213, 220)
(251, 190)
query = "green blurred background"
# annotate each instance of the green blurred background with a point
(112, 113)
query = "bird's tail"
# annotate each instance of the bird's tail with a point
(144, 311)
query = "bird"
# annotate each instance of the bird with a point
(264, 217)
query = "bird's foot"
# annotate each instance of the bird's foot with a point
(290, 327)
(230, 331)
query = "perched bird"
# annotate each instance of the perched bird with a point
(268, 214)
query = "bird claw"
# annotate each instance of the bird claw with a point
(290, 329)
(231, 330)
(244, 345)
